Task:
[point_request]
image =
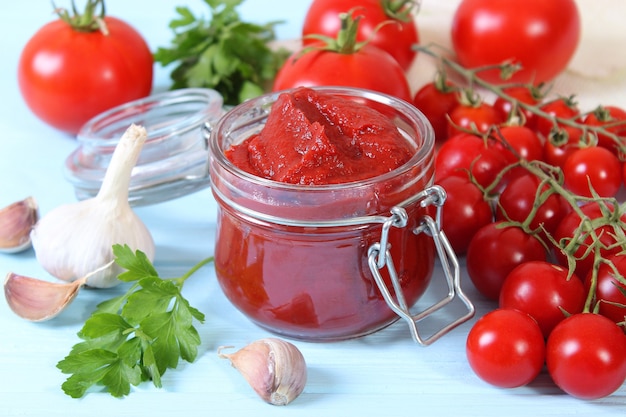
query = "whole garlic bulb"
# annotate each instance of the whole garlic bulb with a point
(274, 368)
(73, 240)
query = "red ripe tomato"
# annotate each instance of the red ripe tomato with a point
(557, 154)
(522, 143)
(543, 291)
(541, 36)
(464, 212)
(606, 236)
(613, 120)
(505, 348)
(349, 66)
(463, 153)
(610, 291)
(480, 117)
(560, 108)
(586, 356)
(517, 200)
(67, 76)
(494, 251)
(396, 38)
(436, 101)
(593, 167)
(508, 108)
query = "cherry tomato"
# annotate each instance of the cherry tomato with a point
(613, 120)
(593, 168)
(464, 212)
(348, 66)
(480, 117)
(505, 348)
(395, 38)
(463, 153)
(436, 102)
(606, 236)
(521, 94)
(521, 143)
(561, 108)
(543, 291)
(494, 251)
(541, 36)
(610, 291)
(67, 76)
(556, 153)
(517, 200)
(586, 356)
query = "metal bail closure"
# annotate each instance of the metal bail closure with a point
(379, 256)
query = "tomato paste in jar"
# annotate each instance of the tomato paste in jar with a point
(302, 180)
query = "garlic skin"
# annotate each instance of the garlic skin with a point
(274, 368)
(37, 300)
(16, 223)
(73, 240)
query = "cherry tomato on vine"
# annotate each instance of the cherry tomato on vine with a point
(463, 153)
(568, 226)
(593, 167)
(556, 149)
(505, 348)
(518, 199)
(523, 143)
(396, 38)
(521, 94)
(436, 100)
(541, 36)
(69, 72)
(613, 120)
(610, 291)
(494, 251)
(559, 108)
(586, 356)
(464, 213)
(480, 117)
(543, 291)
(348, 65)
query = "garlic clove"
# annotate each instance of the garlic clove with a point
(16, 222)
(274, 368)
(38, 300)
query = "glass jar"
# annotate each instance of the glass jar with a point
(305, 261)
(173, 160)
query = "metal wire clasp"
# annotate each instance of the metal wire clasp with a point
(379, 256)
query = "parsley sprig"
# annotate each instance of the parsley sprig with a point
(136, 336)
(224, 53)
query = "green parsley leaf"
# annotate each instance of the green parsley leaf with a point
(137, 336)
(226, 54)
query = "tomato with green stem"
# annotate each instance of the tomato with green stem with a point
(388, 24)
(344, 62)
(586, 356)
(613, 120)
(76, 67)
(436, 100)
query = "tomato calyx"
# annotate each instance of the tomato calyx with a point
(345, 42)
(402, 10)
(90, 20)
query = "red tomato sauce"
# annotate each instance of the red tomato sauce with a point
(312, 138)
(299, 280)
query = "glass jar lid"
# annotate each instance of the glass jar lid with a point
(174, 159)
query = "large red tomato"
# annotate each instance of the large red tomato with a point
(396, 36)
(67, 75)
(540, 35)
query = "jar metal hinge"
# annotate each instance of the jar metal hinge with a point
(379, 257)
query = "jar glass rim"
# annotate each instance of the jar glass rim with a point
(422, 154)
